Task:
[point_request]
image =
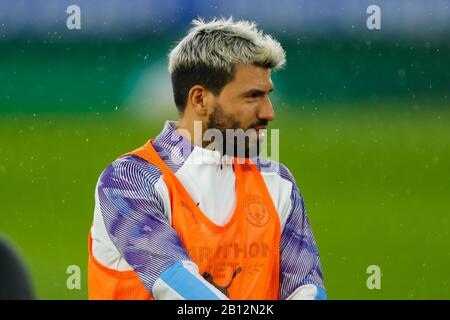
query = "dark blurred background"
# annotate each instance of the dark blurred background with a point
(363, 117)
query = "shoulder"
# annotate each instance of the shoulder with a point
(275, 169)
(133, 182)
(132, 170)
(131, 178)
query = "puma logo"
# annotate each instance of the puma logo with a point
(208, 277)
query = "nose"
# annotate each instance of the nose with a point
(266, 110)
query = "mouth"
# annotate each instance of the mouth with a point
(260, 127)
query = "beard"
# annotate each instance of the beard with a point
(236, 140)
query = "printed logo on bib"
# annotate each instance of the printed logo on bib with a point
(255, 210)
(229, 251)
(224, 289)
(229, 260)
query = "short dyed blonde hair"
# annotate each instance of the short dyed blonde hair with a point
(223, 43)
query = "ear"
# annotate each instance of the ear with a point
(198, 98)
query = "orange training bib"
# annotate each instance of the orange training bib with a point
(240, 258)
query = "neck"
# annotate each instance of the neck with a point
(192, 131)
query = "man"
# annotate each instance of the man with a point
(179, 219)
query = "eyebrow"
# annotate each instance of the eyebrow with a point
(256, 92)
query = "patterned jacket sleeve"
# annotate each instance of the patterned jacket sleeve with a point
(300, 267)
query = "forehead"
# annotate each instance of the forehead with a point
(251, 77)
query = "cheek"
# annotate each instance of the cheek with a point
(248, 113)
(242, 113)
(241, 110)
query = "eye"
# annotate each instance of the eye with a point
(254, 94)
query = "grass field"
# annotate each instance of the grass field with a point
(376, 186)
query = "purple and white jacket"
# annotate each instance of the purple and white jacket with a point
(132, 220)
